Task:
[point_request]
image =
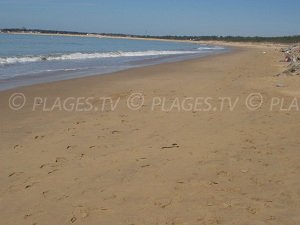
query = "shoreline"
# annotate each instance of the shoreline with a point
(122, 70)
(217, 43)
(196, 167)
(232, 46)
(20, 81)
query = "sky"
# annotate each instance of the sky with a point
(156, 17)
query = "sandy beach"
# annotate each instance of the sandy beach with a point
(159, 162)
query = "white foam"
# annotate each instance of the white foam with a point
(99, 55)
(81, 56)
(211, 48)
(13, 60)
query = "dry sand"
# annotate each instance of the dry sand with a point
(126, 167)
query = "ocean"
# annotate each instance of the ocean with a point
(32, 59)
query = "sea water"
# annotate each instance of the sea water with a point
(31, 59)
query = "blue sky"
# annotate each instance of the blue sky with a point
(156, 17)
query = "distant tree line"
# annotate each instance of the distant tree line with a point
(283, 39)
(24, 30)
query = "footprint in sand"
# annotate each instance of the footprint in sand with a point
(116, 132)
(69, 147)
(169, 147)
(27, 216)
(15, 174)
(45, 194)
(163, 202)
(47, 165)
(52, 171)
(140, 159)
(30, 185)
(73, 219)
(252, 210)
(60, 159)
(80, 122)
(19, 187)
(180, 182)
(81, 156)
(144, 166)
(39, 137)
(17, 146)
(80, 212)
(63, 197)
(71, 129)
(53, 167)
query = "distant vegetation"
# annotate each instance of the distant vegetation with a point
(24, 30)
(283, 39)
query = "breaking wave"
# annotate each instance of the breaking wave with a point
(211, 48)
(82, 56)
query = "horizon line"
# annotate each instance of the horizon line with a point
(140, 35)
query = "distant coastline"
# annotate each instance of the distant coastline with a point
(256, 39)
(91, 35)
